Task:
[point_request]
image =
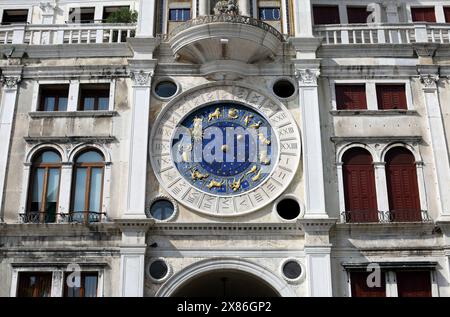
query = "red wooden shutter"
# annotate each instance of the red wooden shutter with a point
(391, 97)
(326, 15)
(359, 186)
(360, 288)
(351, 97)
(426, 14)
(447, 14)
(414, 284)
(357, 14)
(403, 190)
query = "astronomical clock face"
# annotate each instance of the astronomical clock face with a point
(224, 154)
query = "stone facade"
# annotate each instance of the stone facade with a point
(234, 58)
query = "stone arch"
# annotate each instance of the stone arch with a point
(51, 146)
(208, 266)
(86, 146)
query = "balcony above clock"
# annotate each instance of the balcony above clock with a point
(225, 37)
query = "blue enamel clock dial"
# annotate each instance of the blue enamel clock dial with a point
(224, 149)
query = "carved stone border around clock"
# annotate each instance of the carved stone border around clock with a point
(176, 185)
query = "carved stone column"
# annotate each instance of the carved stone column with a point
(429, 77)
(137, 170)
(312, 142)
(10, 82)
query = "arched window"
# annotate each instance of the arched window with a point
(87, 187)
(359, 186)
(403, 191)
(44, 187)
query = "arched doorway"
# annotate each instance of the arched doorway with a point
(225, 283)
(225, 277)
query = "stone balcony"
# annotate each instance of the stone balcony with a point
(410, 33)
(54, 34)
(241, 39)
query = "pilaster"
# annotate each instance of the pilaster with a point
(10, 81)
(429, 77)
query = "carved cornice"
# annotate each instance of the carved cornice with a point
(11, 82)
(141, 77)
(307, 76)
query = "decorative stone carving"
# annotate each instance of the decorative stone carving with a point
(47, 7)
(307, 77)
(141, 78)
(429, 80)
(229, 7)
(11, 82)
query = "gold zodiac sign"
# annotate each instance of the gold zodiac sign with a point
(264, 158)
(263, 139)
(256, 177)
(214, 115)
(233, 114)
(186, 153)
(236, 184)
(197, 131)
(248, 119)
(196, 175)
(256, 125)
(215, 184)
(252, 170)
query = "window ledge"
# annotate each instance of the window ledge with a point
(72, 114)
(373, 112)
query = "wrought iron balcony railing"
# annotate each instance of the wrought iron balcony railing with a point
(226, 18)
(73, 217)
(53, 34)
(384, 33)
(377, 216)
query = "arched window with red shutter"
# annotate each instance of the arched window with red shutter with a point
(359, 186)
(402, 186)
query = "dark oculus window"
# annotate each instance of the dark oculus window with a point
(288, 209)
(87, 285)
(269, 14)
(34, 284)
(158, 269)
(53, 97)
(283, 88)
(351, 97)
(292, 270)
(82, 15)
(15, 16)
(357, 14)
(94, 97)
(391, 97)
(424, 14)
(166, 89)
(178, 15)
(326, 15)
(162, 209)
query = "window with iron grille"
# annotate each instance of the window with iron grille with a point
(270, 14)
(178, 15)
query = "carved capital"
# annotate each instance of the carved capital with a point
(47, 7)
(429, 81)
(307, 77)
(11, 82)
(141, 77)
